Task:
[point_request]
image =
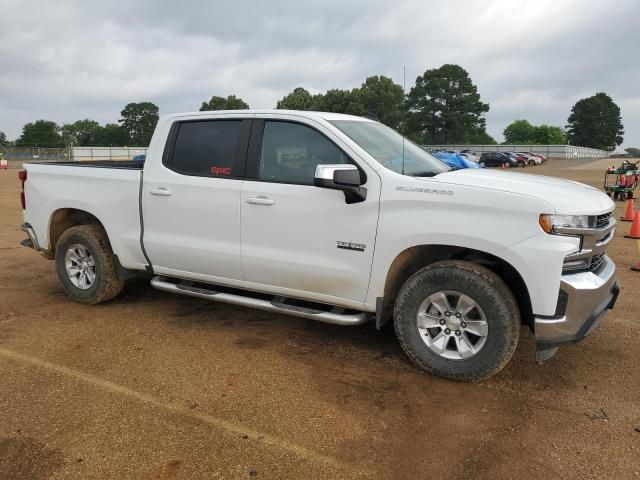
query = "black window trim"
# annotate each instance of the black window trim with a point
(239, 163)
(255, 150)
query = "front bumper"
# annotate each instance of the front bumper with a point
(584, 299)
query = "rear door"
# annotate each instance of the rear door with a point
(298, 239)
(191, 200)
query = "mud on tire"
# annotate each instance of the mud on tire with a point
(94, 239)
(487, 290)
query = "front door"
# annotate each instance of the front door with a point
(191, 201)
(304, 240)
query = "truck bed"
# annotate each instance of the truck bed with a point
(108, 190)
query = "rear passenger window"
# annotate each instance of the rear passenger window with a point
(206, 148)
(291, 152)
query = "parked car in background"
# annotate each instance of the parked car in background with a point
(455, 160)
(539, 155)
(531, 159)
(470, 156)
(497, 159)
(521, 159)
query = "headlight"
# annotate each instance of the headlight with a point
(557, 223)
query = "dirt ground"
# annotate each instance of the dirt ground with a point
(157, 386)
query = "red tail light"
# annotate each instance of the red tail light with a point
(22, 175)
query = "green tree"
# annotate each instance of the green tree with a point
(298, 99)
(139, 121)
(81, 132)
(445, 106)
(595, 122)
(549, 135)
(385, 99)
(111, 135)
(633, 152)
(522, 132)
(339, 101)
(3, 138)
(481, 137)
(42, 133)
(220, 103)
(519, 131)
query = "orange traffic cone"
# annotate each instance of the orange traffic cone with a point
(628, 217)
(635, 228)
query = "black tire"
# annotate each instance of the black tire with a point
(106, 284)
(615, 195)
(506, 165)
(629, 195)
(488, 290)
(532, 163)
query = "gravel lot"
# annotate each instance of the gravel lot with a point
(159, 386)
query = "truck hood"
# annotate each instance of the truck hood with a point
(565, 196)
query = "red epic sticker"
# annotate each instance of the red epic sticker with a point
(221, 170)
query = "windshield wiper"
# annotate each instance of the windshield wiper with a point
(426, 173)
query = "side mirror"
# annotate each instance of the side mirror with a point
(345, 177)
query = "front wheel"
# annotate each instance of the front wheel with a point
(458, 320)
(86, 266)
(532, 163)
(482, 164)
(506, 165)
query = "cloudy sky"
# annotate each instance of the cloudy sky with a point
(67, 60)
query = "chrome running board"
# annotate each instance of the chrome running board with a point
(275, 304)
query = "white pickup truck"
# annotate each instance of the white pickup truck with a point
(338, 219)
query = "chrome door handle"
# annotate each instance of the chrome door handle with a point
(260, 201)
(161, 191)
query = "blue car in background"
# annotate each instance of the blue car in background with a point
(139, 158)
(455, 160)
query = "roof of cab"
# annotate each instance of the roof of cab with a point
(300, 113)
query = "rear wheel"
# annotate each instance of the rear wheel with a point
(482, 164)
(532, 163)
(86, 266)
(458, 320)
(506, 165)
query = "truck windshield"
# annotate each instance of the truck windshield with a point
(390, 149)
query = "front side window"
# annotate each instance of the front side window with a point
(390, 148)
(290, 153)
(206, 148)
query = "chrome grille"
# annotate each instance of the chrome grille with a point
(603, 220)
(596, 262)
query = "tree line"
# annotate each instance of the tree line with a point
(135, 128)
(594, 122)
(442, 107)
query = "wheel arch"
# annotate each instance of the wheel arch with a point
(64, 218)
(412, 259)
